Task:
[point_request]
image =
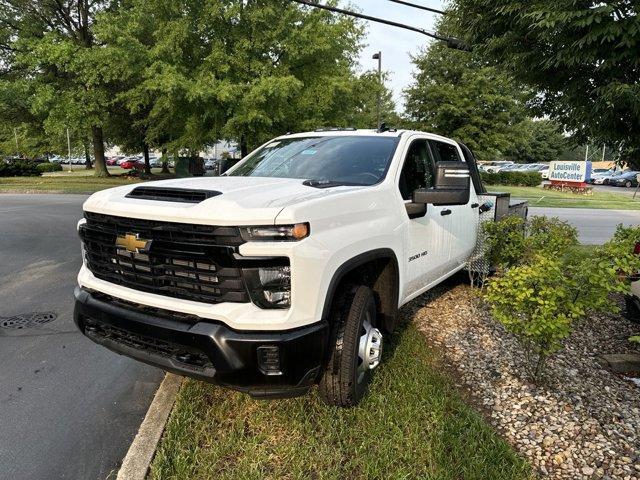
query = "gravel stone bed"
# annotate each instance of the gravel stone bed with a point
(584, 423)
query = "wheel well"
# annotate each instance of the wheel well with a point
(378, 271)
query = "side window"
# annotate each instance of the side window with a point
(444, 152)
(417, 171)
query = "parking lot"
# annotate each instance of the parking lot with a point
(69, 408)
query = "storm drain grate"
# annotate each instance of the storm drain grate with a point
(27, 320)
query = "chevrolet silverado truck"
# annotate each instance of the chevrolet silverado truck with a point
(287, 271)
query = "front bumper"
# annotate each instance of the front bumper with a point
(202, 348)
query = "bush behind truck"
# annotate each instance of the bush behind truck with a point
(288, 270)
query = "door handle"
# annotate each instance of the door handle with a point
(475, 205)
(445, 212)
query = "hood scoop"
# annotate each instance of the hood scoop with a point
(167, 194)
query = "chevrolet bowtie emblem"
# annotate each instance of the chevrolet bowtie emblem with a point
(132, 243)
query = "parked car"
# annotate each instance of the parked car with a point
(237, 279)
(113, 161)
(607, 178)
(210, 164)
(627, 179)
(495, 167)
(132, 164)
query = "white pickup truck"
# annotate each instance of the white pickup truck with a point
(288, 270)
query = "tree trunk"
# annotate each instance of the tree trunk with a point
(98, 152)
(165, 162)
(147, 165)
(244, 148)
(87, 157)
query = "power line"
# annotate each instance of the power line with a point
(450, 41)
(421, 7)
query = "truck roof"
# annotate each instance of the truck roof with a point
(350, 132)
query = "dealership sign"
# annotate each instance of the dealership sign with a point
(570, 172)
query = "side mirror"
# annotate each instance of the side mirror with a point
(452, 186)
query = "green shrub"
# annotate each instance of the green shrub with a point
(511, 241)
(544, 285)
(504, 241)
(49, 167)
(19, 168)
(627, 237)
(514, 179)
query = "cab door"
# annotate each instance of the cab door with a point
(462, 220)
(427, 250)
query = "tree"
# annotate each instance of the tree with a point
(361, 112)
(51, 46)
(537, 141)
(457, 94)
(582, 58)
(243, 70)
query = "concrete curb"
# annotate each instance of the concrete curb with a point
(135, 465)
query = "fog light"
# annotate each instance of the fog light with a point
(269, 287)
(269, 360)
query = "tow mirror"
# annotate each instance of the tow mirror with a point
(452, 186)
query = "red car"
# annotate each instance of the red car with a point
(132, 164)
(113, 161)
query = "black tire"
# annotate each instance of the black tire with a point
(628, 184)
(339, 385)
(632, 311)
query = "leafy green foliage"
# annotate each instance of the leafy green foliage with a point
(537, 141)
(550, 236)
(19, 168)
(177, 75)
(512, 241)
(533, 303)
(457, 94)
(244, 70)
(49, 52)
(625, 239)
(582, 58)
(505, 241)
(515, 179)
(49, 167)
(544, 285)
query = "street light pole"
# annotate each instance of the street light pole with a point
(378, 56)
(69, 149)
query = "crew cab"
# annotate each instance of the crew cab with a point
(287, 271)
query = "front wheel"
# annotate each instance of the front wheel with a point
(356, 348)
(628, 184)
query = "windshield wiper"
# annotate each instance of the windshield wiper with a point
(323, 183)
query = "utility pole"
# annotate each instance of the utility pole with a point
(15, 134)
(69, 149)
(586, 153)
(378, 56)
(604, 147)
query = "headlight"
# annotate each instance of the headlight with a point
(270, 233)
(269, 287)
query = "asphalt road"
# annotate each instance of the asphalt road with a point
(594, 226)
(69, 408)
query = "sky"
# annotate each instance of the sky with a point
(396, 44)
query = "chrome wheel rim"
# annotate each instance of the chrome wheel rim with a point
(369, 348)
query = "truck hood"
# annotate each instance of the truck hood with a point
(242, 200)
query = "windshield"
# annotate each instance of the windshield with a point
(344, 160)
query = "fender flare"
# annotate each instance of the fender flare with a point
(355, 262)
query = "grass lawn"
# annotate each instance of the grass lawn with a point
(76, 181)
(538, 197)
(413, 424)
